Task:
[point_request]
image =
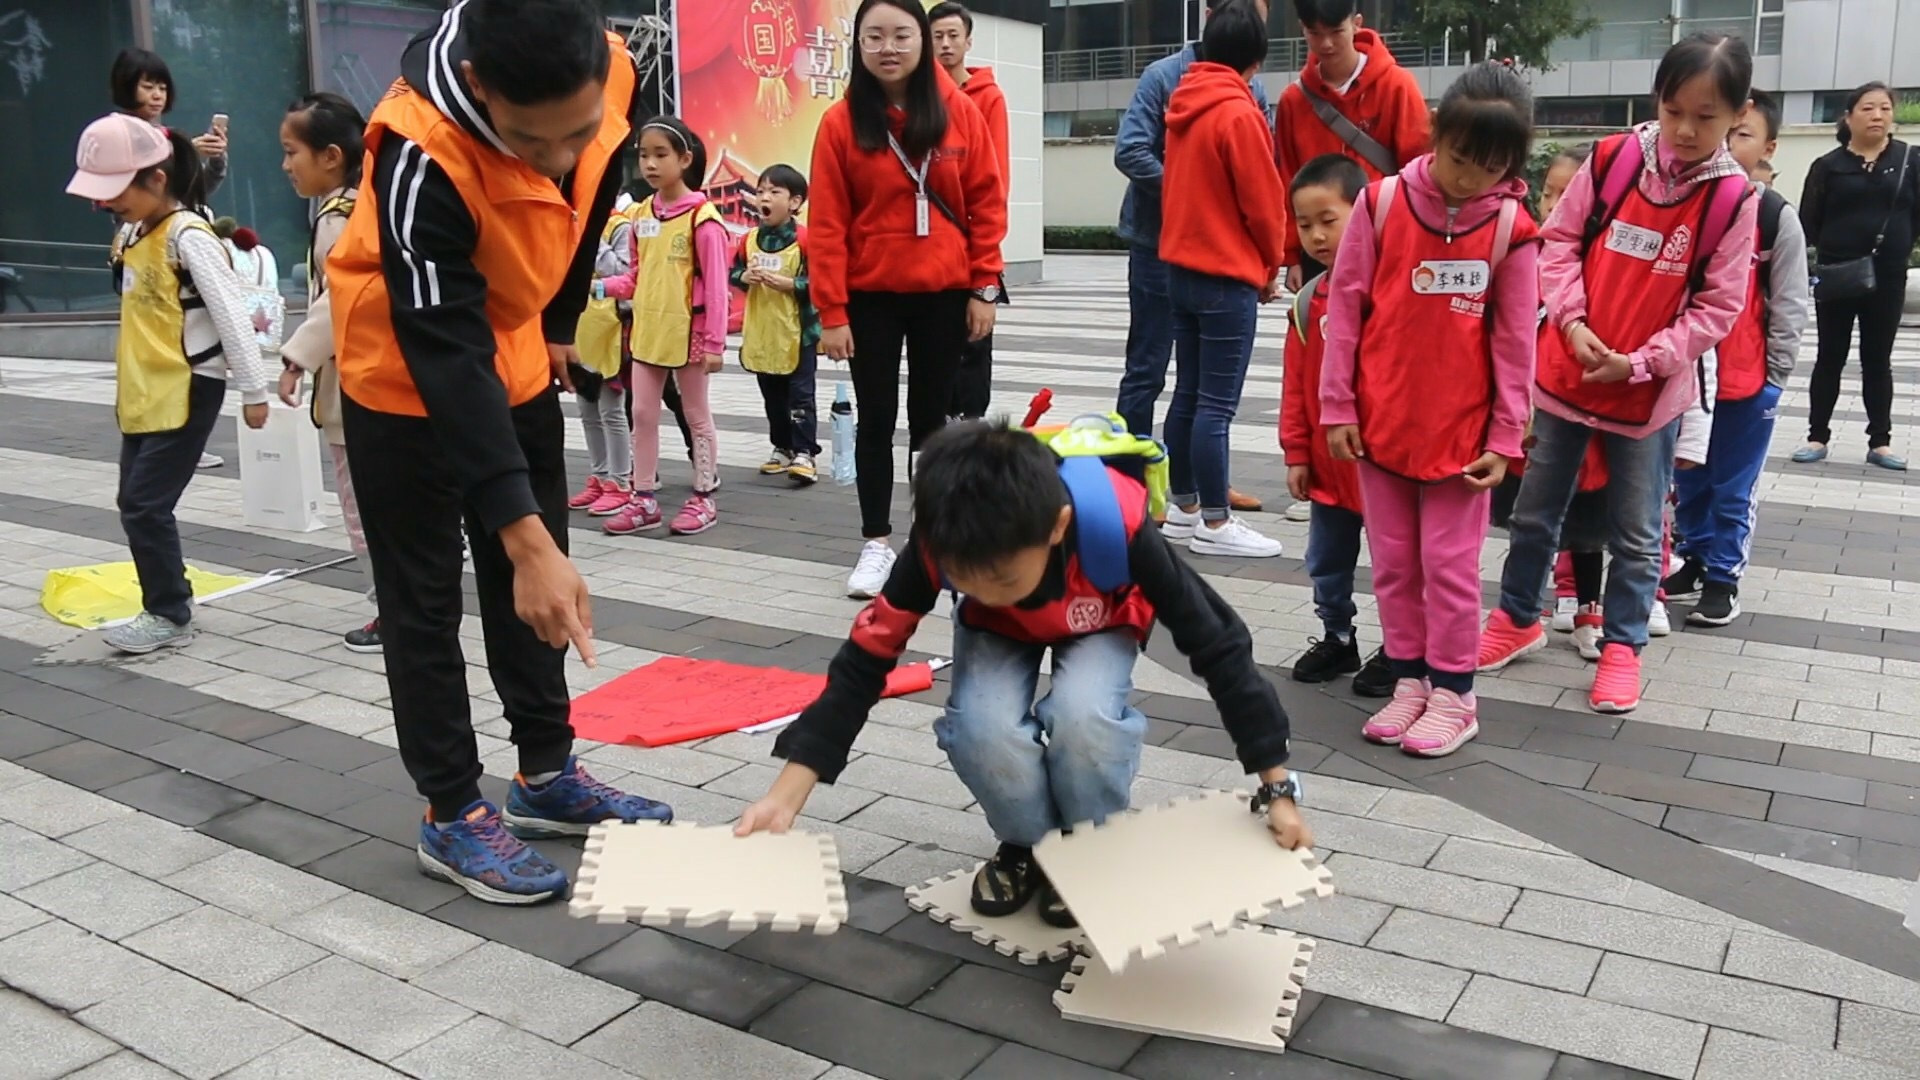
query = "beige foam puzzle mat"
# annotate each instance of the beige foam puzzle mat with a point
(90, 647)
(1166, 876)
(698, 875)
(1238, 989)
(1024, 936)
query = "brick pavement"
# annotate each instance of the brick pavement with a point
(217, 839)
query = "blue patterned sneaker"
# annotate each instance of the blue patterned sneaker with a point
(478, 855)
(573, 803)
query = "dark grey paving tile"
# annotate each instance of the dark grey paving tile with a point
(1868, 824)
(1349, 768)
(51, 704)
(324, 748)
(1904, 800)
(546, 930)
(866, 963)
(157, 698)
(1546, 768)
(714, 984)
(1814, 785)
(210, 756)
(1889, 860)
(1307, 756)
(1015, 1062)
(88, 764)
(1678, 791)
(1631, 755)
(387, 773)
(1651, 813)
(121, 728)
(1579, 1068)
(1401, 1045)
(303, 787)
(1159, 731)
(385, 870)
(1740, 747)
(874, 906)
(1213, 742)
(283, 835)
(89, 679)
(387, 815)
(923, 931)
(22, 738)
(1886, 770)
(181, 799)
(873, 1037)
(1178, 1059)
(740, 633)
(1764, 837)
(1022, 1010)
(231, 720)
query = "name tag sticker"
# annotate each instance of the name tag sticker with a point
(1451, 277)
(766, 262)
(126, 279)
(647, 228)
(1634, 241)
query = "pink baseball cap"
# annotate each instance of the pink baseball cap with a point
(112, 152)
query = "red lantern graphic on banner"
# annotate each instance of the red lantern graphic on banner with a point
(769, 37)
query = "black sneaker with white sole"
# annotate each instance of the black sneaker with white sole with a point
(1719, 604)
(1685, 581)
(366, 639)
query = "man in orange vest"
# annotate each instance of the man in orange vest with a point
(493, 164)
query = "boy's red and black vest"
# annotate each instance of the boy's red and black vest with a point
(1424, 381)
(1743, 355)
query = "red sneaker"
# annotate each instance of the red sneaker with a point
(641, 514)
(586, 496)
(1501, 643)
(1616, 684)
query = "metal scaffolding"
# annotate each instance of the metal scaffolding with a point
(650, 40)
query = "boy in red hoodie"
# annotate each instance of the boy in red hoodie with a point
(952, 41)
(1222, 234)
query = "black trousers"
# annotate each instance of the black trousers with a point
(1878, 314)
(973, 382)
(931, 327)
(155, 470)
(792, 414)
(412, 512)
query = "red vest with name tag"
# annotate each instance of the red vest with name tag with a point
(1424, 381)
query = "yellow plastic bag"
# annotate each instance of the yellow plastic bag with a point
(93, 596)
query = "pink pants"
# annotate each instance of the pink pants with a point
(1425, 540)
(648, 383)
(350, 510)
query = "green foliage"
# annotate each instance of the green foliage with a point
(1522, 29)
(1083, 238)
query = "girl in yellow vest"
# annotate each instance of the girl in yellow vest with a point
(678, 285)
(321, 138)
(781, 329)
(183, 329)
(599, 387)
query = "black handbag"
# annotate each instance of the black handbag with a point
(1855, 278)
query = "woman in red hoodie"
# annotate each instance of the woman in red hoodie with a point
(1222, 234)
(904, 247)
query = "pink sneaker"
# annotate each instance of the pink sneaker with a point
(614, 497)
(1616, 684)
(588, 495)
(642, 513)
(1501, 643)
(1391, 723)
(697, 516)
(1450, 720)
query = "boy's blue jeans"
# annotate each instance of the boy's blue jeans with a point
(1036, 766)
(1718, 501)
(1333, 550)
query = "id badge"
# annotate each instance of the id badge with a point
(647, 228)
(767, 263)
(921, 225)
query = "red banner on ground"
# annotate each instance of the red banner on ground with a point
(678, 698)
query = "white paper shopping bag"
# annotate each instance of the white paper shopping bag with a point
(280, 486)
(1913, 910)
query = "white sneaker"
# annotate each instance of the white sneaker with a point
(1300, 511)
(1180, 524)
(211, 461)
(1236, 538)
(1589, 627)
(1658, 625)
(871, 572)
(1564, 609)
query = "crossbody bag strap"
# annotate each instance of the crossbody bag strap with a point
(1358, 141)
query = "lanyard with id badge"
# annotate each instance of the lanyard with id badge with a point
(922, 225)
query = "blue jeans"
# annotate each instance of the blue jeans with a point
(1639, 472)
(1213, 325)
(1716, 502)
(1333, 549)
(1149, 340)
(1034, 766)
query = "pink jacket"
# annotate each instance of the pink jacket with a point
(1709, 314)
(1515, 302)
(713, 246)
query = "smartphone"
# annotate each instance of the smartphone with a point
(219, 123)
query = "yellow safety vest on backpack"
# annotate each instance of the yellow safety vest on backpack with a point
(598, 334)
(665, 266)
(153, 371)
(770, 333)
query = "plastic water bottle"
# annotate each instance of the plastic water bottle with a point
(843, 468)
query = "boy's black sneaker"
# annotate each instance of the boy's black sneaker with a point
(1327, 659)
(1005, 882)
(1375, 679)
(1685, 581)
(1719, 604)
(366, 639)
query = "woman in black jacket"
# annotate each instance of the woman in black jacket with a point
(1868, 188)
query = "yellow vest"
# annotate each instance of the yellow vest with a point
(770, 333)
(153, 372)
(597, 335)
(663, 271)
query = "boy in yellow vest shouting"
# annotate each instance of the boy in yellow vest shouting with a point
(781, 326)
(457, 288)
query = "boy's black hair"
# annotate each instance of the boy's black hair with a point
(1840, 129)
(867, 103)
(1337, 171)
(787, 178)
(185, 181)
(684, 141)
(326, 119)
(534, 51)
(1768, 107)
(1726, 61)
(1235, 36)
(951, 9)
(1487, 117)
(984, 491)
(131, 66)
(1325, 13)
(1578, 153)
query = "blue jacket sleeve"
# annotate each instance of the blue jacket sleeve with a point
(1143, 130)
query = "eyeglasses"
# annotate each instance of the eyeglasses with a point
(903, 42)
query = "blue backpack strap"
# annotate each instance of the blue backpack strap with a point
(1101, 528)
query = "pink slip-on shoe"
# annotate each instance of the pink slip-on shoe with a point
(1501, 643)
(588, 495)
(1390, 724)
(614, 498)
(697, 516)
(1616, 683)
(642, 512)
(1450, 720)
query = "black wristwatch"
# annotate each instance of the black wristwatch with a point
(988, 295)
(1265, 795)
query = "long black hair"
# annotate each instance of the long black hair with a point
(926, 113)
(1840, 129)
(326, 119)
(684, 142)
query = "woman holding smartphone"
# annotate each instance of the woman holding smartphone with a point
(142, 84)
